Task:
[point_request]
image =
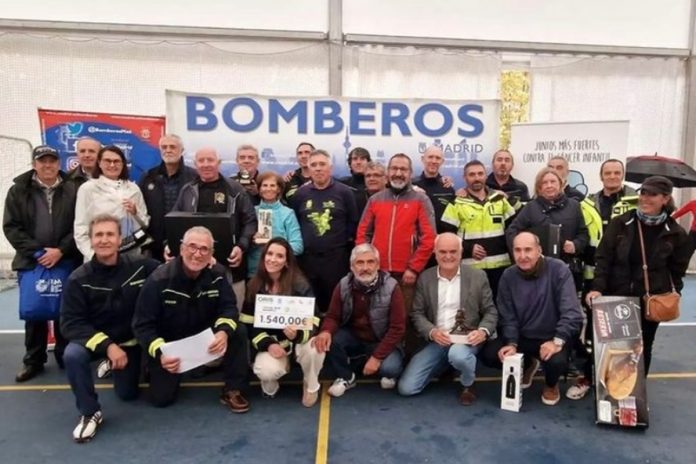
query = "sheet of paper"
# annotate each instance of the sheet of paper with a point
(192, 351)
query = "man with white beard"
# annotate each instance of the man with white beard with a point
(366, 320)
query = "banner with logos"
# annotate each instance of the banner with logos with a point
(137, 136)
(466, 130)
(586, 145)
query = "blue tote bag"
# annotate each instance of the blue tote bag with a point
(40, 290)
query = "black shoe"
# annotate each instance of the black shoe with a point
(28, 372)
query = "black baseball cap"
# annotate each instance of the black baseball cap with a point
(44, 150)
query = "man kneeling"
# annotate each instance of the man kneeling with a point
(366, 320)
(539, 313)
(451, 298)
(182, 298)
(96, 316)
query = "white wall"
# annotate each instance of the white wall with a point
(636, 23)
(295, 15)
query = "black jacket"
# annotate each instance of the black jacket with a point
(20, 217)
(357, 183)
(540, 212)
(440, 197)
(239, 204)
(516, 190)
(572, 192)
(296, 181)
(241, 207)
(99, 301)
(670, 255)
(77, 176)
(172, 306)
(152, 186)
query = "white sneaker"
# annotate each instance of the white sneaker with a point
(387, 383)
(87, 427)
(339, 386)
(270, 388)
(579, 389)
(104, 369)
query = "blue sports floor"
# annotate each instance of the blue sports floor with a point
(367, 425)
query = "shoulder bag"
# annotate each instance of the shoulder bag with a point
(658, 308)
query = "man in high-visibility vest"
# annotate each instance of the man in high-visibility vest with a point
(615, 198)
(480, 218)
(599, 208)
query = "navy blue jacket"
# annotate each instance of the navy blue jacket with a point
(99, 301)
(172, 306)
(541, 307)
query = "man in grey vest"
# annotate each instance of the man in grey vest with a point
(365, 322)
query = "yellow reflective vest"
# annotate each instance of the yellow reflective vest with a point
(482, 223)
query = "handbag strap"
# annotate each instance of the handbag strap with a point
(645, 261)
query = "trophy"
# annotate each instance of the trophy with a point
(245, 178)
(264, 230)
(460, 332)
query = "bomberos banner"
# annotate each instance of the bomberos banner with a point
(466, 130)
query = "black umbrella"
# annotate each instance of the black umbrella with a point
(639, 168)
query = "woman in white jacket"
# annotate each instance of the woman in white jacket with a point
(110, 192)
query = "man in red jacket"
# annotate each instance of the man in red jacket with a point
(400, 223)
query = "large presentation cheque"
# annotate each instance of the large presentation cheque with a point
(277, 312)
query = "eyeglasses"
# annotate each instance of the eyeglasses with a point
(172, 146)
(112, 162)
(193, 249)
(369, 176)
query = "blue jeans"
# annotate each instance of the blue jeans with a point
(346, 347)
(77, 360)
(433, 360)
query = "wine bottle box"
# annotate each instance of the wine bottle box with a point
(511, 388)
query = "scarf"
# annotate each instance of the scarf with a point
(649, 220)
(535, 271)
(367, 288)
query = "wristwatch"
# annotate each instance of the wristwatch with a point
(558, 341)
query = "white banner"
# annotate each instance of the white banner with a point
(586, 145)
(466, 130)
